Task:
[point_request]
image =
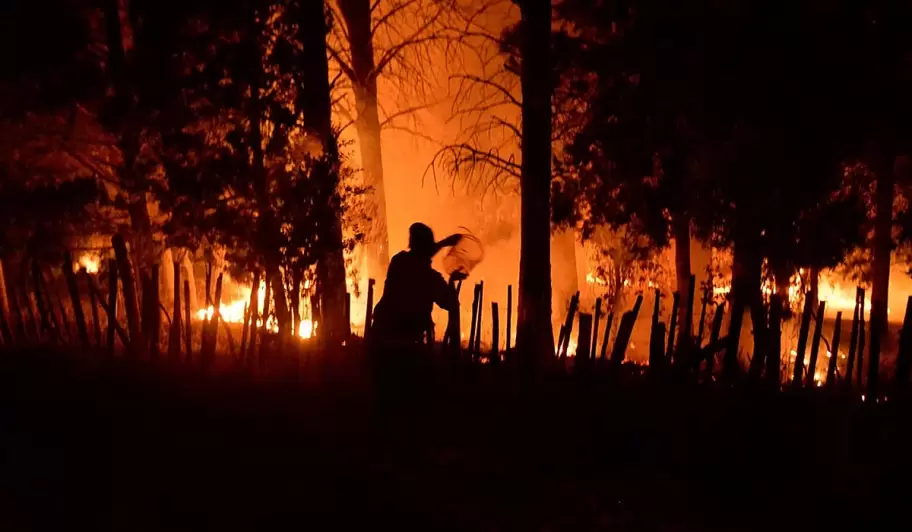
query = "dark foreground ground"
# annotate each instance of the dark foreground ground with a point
(109, 446)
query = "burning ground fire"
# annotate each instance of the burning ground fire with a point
(233, 312)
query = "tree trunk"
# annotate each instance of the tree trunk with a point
(880, 285)
(314, 100)
(357, 16)
(76, 300)
(534, 336)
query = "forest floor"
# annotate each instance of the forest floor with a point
(117, 446)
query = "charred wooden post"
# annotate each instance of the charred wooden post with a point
(584, 337)
(254, 318)
(452, 339)
(714, 333)
(31, 312)
(55, 309)
(63, 321)
(495, 333)
(131, 302)
(112, 316)
(477, 351)
(707, 293)
(43, 311)
(295, 301)
(604, 351)
(904, 357)
(815, 345)
(798, 370)
(853, 339)
(834, 352)
(188, 325)
(369, 310)
(673, 323)
(509, 317)
(112, 303)
(624, 332)
(174, 335)
(774, 345)
(474, 323)
(597, 317)
(656, 342)
(244, 332)
(93, 300)
(568, 325)
(75, 300)
(861, 344)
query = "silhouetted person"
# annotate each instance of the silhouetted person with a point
(402, 317)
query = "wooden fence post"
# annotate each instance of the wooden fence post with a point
(477, 351)
(604, 351)
(595, 327)
(112, 304)
(861, 344)
(474, 322)
(656, 342)
(673, 323)
(774, 356)
(75, 300)
(154, 328)
(853, 342)
(834, 352)
(798, 370)
(495, 334)
(584, 338)
(509, 316)
(815, 345)
(628, 320)
(131, 302)
(93, 300)
(369, 310)
(714, 333)
(904, 357)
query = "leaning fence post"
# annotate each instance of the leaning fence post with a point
(773, 359)
(595, 327)
(604, 351)
(495, 333)
(798, 370)
(815, 345)
(584, 338)
(861, 343)
(673, 323)
(714, 333)
(904, 357)
(112, 304)
(834, 351)
(369, 310)
(853, 342)
(188, 326)
(75, 300)
(509, 316)
(131, 302)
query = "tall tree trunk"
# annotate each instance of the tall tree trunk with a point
(357, 16)
(314, 101)
(534, 336)
(880, 285)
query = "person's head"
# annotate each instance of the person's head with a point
(421, 239)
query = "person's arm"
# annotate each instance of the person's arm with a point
(449, 241)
